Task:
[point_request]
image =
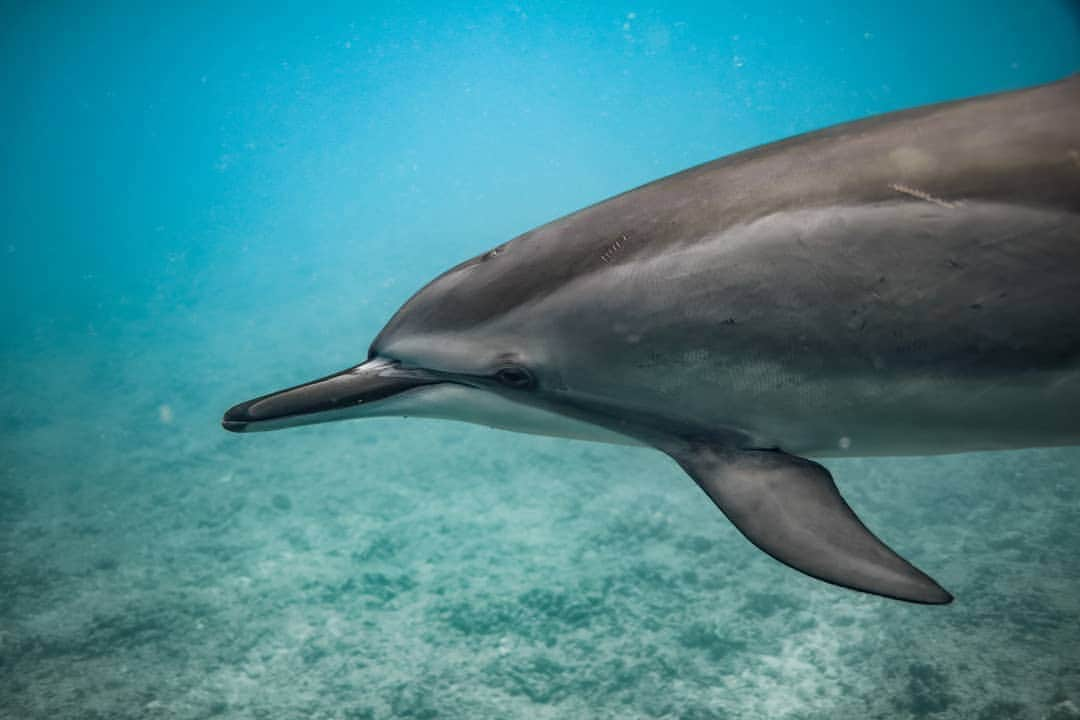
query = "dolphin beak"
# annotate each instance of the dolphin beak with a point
(334, 397)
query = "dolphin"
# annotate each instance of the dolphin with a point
(903, 284)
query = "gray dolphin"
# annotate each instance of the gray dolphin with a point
(904, 284)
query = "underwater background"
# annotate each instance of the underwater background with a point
(202, 204)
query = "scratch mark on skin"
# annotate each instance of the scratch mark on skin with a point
(494, 251)
(608, 254)
(923, 195)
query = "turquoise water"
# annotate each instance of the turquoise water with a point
(200, 206)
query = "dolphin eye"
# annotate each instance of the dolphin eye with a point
(515, 376)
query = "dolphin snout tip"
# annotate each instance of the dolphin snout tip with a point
(236, 418)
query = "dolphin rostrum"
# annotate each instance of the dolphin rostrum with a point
(903, 284)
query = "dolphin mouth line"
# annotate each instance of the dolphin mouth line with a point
(317, 401)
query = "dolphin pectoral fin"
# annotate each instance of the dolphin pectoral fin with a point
(790, 508)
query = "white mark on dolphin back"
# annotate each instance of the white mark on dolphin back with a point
(615, 247)
(923, 195)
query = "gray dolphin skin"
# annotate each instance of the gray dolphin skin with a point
(904, 284)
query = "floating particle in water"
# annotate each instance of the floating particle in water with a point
(165, 414)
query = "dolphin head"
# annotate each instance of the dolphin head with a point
(472, 345)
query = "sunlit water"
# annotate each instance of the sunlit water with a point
(199, 206)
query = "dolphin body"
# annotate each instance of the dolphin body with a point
(903, 284)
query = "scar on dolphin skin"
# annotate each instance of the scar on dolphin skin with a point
(615, 247)
(923, 195)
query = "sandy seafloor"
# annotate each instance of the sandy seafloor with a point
(199, 207)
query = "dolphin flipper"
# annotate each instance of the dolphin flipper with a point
(789, 507)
